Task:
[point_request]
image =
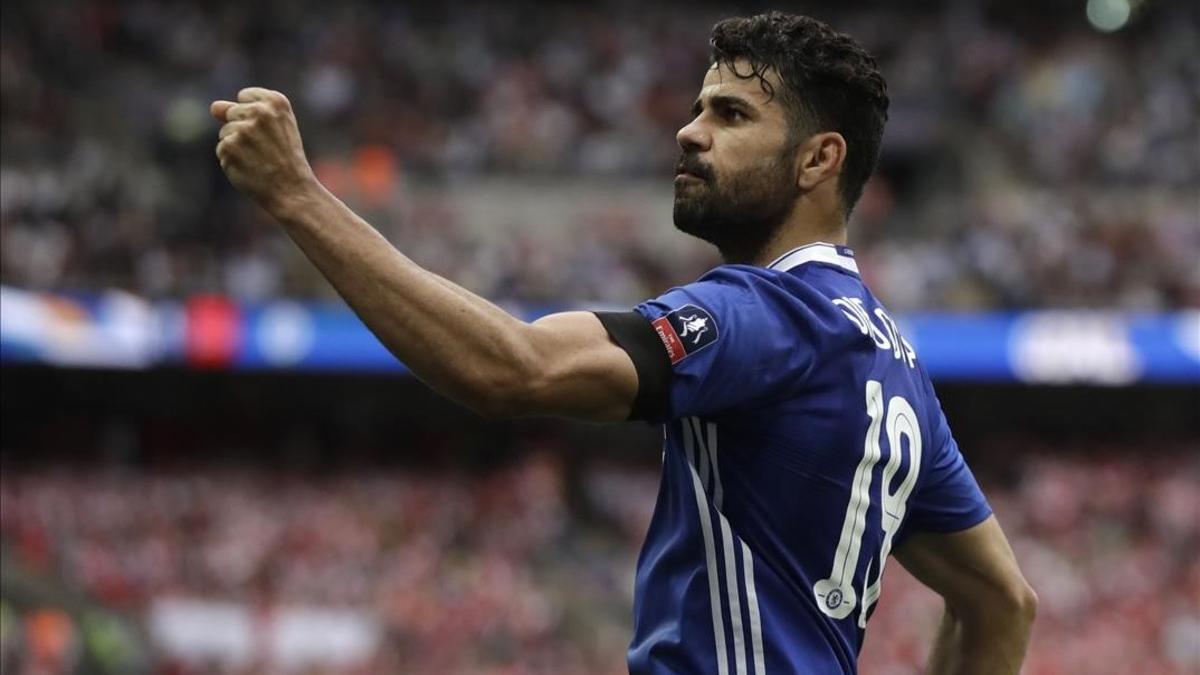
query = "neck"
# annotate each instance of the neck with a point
(796, 233)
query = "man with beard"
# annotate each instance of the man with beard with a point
(803, 440)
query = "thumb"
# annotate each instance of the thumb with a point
(219, 108)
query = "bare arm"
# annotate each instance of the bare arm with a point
(459, 343)
(989, 606)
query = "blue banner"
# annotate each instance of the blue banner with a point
(117, 330)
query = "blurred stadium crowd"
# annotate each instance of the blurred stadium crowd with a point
(526, 152)
(1029, 160)
(496, 572)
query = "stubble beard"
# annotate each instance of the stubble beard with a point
(739, 213)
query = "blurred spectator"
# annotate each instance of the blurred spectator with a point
(51, 642)
(1029, 161)
(493, 572)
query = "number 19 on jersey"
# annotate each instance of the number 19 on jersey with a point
(835, 594)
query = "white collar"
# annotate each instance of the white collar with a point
(829, 254)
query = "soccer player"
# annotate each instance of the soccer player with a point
(803, 440)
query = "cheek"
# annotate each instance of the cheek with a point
(744, 150)
(734, 170)
(727, 165)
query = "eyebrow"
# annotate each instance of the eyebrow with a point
(723, 101)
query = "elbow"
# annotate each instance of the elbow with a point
(1025, 602)
(493, 403)
(1013, 606)
(501, 396)
(1018, 604)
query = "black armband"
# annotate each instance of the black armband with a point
(633, 333)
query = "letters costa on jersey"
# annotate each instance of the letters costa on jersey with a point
(685, 331)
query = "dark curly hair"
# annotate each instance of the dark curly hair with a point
(830, 83)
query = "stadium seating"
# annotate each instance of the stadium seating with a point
(465, 572)
(1053, 167)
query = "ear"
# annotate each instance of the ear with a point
(820, 157)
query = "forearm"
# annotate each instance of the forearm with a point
(460, 344)
(457, 342)
(983, 643)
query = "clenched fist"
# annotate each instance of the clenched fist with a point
(260, 149)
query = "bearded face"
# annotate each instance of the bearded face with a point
(737, 210)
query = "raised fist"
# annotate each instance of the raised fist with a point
(259, 147)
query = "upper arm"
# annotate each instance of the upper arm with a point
(974, 569)
(700, 349)
(576, 371)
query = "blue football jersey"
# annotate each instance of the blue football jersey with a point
(802, 442)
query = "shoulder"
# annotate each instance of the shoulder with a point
(793, 302)
(737, 285)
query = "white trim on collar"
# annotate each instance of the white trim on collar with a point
(816, 252)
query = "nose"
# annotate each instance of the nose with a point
(693, 137)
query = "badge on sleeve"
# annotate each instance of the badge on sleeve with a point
(685, 331)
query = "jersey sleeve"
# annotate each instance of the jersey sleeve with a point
(720, 343)
(947, 497)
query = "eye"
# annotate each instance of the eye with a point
(734, 115)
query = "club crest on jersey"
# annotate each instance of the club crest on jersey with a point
(685, 331)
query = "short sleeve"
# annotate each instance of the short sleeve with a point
(730, 338)
(947, 497)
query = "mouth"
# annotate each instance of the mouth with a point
(684, 171)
